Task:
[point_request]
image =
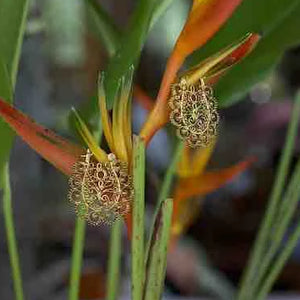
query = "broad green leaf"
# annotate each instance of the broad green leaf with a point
(130, 47)
(277, 21)
(12, 23)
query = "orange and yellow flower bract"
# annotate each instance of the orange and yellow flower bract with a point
(60, 152)
(86, 166)
(210, 70)
(102, 190)
(193, 181)
(204, 20)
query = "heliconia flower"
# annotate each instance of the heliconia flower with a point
(100, 183)
(194, 182)
(204, 20)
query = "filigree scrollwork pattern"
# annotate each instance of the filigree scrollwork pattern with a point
(194, 112)
(100, 191)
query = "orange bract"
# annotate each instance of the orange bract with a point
(204, 20)
(57, 150)
(193, 181)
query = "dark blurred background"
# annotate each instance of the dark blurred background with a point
(58, 69)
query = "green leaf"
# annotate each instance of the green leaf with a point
(277, 21)
(274, 208)
(157, 263)
(130, 47)
(12, 24)
(103, 26)
(6, 133)
(138, 208)
(165, 189)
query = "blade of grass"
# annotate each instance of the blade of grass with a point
(137, 242)
(76, 262)
(10, 235)
(157, 264)
(287, 210)
(114, 261)
(103, 26)
(265, 229)
(279, 263)
(165, 190)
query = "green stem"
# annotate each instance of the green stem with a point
(165, 190)
(279, 264)
(261, 243)
(78, 242)
(137, 241)
(114, 261)
(76, 263)
(11, 236)
(287, 210)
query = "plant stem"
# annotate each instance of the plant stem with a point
(76, 263)
(165, 189)
(114, 261)
(137, 242)
(287, 210)
(262, 238)
(79, 241)
(279, 264)
(11, 236)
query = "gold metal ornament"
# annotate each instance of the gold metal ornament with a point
(194, 112)
(101, 191)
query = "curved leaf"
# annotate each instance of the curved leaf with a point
(129, 48)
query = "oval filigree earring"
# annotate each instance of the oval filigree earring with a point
(100, 191)
(194, 112)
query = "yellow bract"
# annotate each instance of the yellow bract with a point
(193, 162)
(118, 132)
(88, 138)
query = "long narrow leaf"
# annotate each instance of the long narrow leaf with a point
(164, 190)
(129, 49)
(264, 233)
(103, 26)
(137, 241)
(157, 264)
(279, 263)
(10, 234)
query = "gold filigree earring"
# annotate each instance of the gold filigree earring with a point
(101, 191)
(194, 112)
